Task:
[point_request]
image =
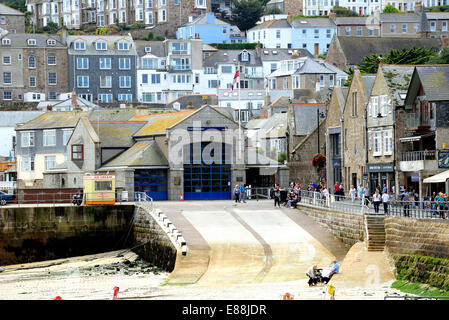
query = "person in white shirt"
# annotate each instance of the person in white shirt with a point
(376, 201)
(385, 199)
(353, 193)
(312, 273)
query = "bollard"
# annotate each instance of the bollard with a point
(57, 298)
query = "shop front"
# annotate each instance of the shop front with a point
(381, 174)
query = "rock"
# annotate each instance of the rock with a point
(1, 269)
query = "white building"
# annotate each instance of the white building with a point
(271, 34)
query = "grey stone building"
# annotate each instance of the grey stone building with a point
(34, 67)
(102, 69)
(11, 19)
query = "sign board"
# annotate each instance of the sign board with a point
(336, 163)
(365, 176)
(380, 167)
(443, 158)
(415, 177)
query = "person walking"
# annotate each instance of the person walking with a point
(385, 199)
(242, 193)
(406, 201)
(342, 191)
(366, 194)
(336, 191)
(237, 193)
(325, 195)
(441, 204)
(353, 193)
(376, 201)
(359, 191)
(277, 197)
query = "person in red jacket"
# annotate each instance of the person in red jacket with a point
(336, 191)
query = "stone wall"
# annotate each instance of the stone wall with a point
(156, 246)
(45, 233)
(428, 237)
(347, 227)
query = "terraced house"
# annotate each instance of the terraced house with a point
(33, 67)
(11, 19)
(103, 68)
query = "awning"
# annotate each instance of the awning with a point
(441, 177)
(416, 138)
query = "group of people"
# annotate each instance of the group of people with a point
(292, 198)
(240, 193)
(316, 275)
(437, 203)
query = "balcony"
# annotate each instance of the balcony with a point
(180, 68)
(253, 75)
(419, 122)
(412, 161)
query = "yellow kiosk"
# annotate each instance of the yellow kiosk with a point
(99, 189)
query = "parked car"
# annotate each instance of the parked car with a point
(6, 198)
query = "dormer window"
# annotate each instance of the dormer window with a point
(123, 46)
(244, 56)
(147, 49)
(101, 45)
(6, 42)
(51, 42)
(31, 42)
(80, 45)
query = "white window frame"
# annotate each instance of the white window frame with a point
(56, 79)
(84, 85)
(388, 142)
(49, 138)
(66, 134)
(377, 143)
(101, 45)
(106, 66)
(84, 63)
(50, 162)
(27, 139)
(108, 82)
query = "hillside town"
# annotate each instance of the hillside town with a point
(295, 87)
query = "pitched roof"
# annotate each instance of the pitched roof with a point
(112, 114)
(368, 82)
(228, 56)
(435, 81)
(346, 21)
(157, 48)
(271, 54)
(437, 15)
(356, 48)
(53, 120)
(111, 41)
(305, 116)
(5, 10)
(400, 17)
(311, 66)
(157, 124)
(313, 23)
(272, 24)
(397, 78)
(116, 133)
(142, 153)
(202, 20)
(20, 40)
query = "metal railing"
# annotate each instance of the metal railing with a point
(418, 155)
(417, 209)
(258, 192)
(415, 298)
(144, 199)
(337, 202)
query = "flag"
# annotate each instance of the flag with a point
(237, 74)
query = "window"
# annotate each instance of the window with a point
(226, 69)
(285, 83)
(27, 139)
(149, 63)
(77, 152)
(278, 34)
(31, 62)
(52, 95)
(432, 26)
(162, 15)
(125, 82)
(348, 31)
(125, 97)
(50, 162)
(244, 56)
(212, 83)
(377, 143)
(416, 27)
(155, 78)
(51, 42)
(105, 81)
(52, 78)
(404, 28)
(105, 97)
(273, 67)
(51, 60)
(7, 78)
(124, 63)
(7, 95)
(31, 42)
(359, 31)
(66, 133)
(225, 30)
(444, 26)
(105, 63)
(6, 42)
(371, 32)
(32, 81)
(144, 78)
(101, 45)
(123, 46)
(82, 81)
(2, 20)
(375, 106)
(296, 82)
(383, 105)
(80, 45)
(273, 83)
(82, 63)
(331, 80)
(27, 164)
(316, 33)
(328, 33)
(49, 138)
(179, 48)
(321, 80)
(354, 104)
(393, 28)
(6, 59)
(180, 64)
(181, 78)
(103, 185)
(388, 142)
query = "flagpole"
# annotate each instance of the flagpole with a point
(240, 129)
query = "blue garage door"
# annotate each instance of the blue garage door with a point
(204, 180)
(153, 182)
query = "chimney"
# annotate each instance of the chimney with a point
(73, 98)
(258, 49)
(418, 7)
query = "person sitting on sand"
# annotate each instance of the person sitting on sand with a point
(312, 273)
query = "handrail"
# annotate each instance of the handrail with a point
(144, 198)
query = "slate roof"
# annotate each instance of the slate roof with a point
(228, 56)
(157, 124)
(112, 114)
(5, 10)
(20, 40)
(201, 20)
(142, 153)
(435, 81)
(400, 17)
(397, 79)
(272, 24)
(305, 117)
(349, 21)
(266, 54)
(311, 66)
(116, 133)
(157, 48)
(368, 82)
(274, 126)
(53, 120)
(437, 15)
(111, 45)
(313, 23)
(356, 48)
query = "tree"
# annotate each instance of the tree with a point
(246, 13)
(344, 12)
(390, 9)
(51, 27)
(411, 56)
(273, 10)
(442, 58)
(16, 4)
